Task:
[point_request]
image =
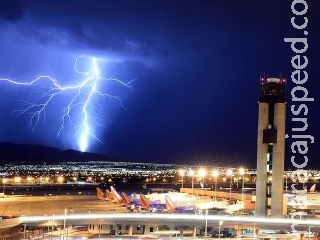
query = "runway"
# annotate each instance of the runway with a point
(55, 205)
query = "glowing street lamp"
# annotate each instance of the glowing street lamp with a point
(202, 172)
(29, 179)
(242, 172)
(60, 179)
(229, 173)
(17, 179)
(215, 174)
(89, 179)
(181, 173)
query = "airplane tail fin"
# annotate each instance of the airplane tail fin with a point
(109, 195)
(169, 204)
(313, 188)
(126, 199)
(145, 203)
(116, 194)
(100, 194)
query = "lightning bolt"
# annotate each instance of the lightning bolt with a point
(83, 93)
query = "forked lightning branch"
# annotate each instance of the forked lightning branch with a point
(84, 93)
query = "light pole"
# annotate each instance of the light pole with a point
(215, 174)
(64, 223)
(286, 176)
(229, 173)
(4, 181)
(220, 223)
(52, 223)
(99, 229)
(206, 225)
(191, 173)
(24, 231)
(242, 172)
(254, 225)
(202, 174)
(181, 173)
(309, 231)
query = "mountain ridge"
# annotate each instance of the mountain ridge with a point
(39, 154)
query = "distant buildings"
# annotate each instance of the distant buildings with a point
(127, 172)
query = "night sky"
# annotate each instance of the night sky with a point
(195, 64)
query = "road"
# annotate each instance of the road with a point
(183, 219)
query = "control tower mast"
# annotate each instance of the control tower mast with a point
(270, 149)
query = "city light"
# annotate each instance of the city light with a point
(102, 171)
(181, 172)
(229, 172)
(202, 172)
(60, 179)
(215, 173)
(89, 179)
(191, 173)
(17, 179)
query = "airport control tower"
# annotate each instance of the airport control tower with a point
(270, 149)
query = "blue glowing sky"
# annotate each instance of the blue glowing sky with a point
(193, 66)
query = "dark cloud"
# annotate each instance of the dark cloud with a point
(103, 27)
(11, 10)
(197, 102)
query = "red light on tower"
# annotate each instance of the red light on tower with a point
(284, 81)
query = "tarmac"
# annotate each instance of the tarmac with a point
(55, 205)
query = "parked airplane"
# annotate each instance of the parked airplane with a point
(100, 194)
(117, 196)
(142, 203)
(313, 189)
(181, 209)
(126, 199)
(110, 196)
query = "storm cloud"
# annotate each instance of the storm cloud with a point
(196, 63)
